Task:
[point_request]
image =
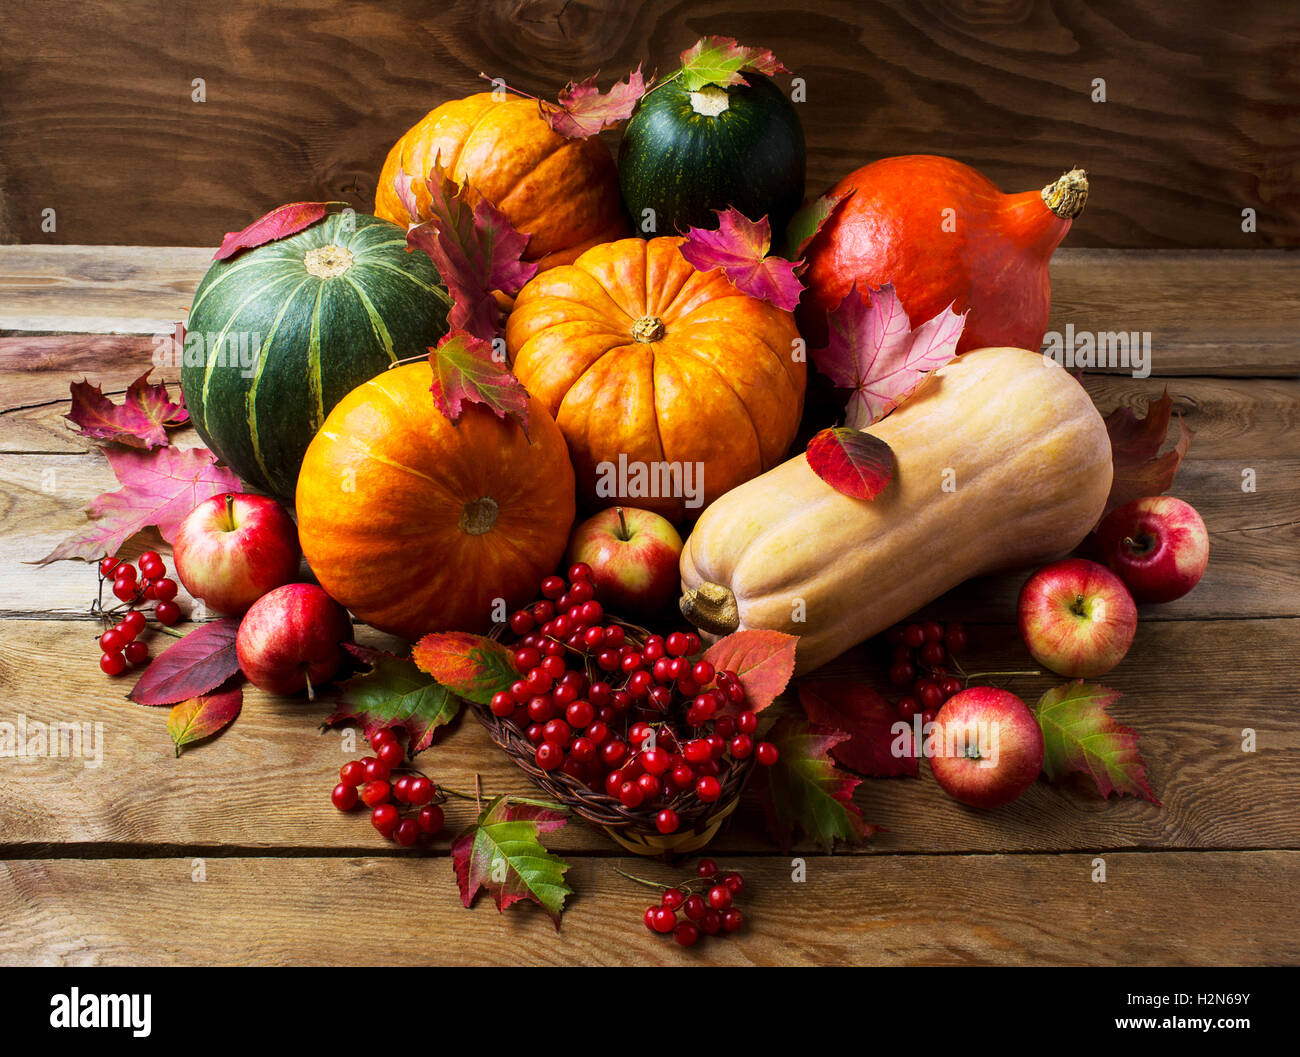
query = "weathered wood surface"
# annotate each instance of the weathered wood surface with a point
(304, 97)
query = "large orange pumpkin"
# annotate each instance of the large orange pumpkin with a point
(418, 525)
(645, 362)
(563, 193)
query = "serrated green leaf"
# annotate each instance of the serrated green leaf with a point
(473, 666)
(395, 693)
(1080, 738)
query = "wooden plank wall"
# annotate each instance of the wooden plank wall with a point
(303, 98)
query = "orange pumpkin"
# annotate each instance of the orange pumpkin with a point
(646, 363)
(417, 525)
(563, 193)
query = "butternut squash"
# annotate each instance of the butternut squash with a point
(1001, 461)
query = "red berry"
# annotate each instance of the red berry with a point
(375, 769)
(613, 752)
(391, 753)
(107, 565)
(742, 746)
(695, 907)
(649, 917)
(407, 832)
(929, 694)
(711, 923)
(549, 755)
(766, 753)
(908, 707)
(344, 797)
(125, 571)
(580, 571)
(732, 919)
(630, 795)
(148, 559)
(702, 672)
(430, 819)
(708, 789)
(950, 687)
(933, 631)
(112, 663)
(352, 773)
(929, 716)
(667, 821)
(746, 723)
(687, 934)
(733, 881)
(954, 637)
(557, 732)
(933, 654)
(914, 636)
(124, 590)
(111, 641)
(902, 674)
(420, 791)
(719, 897)
(653, 649)
(167, 613)
(137, 652)
(676, 644)
(672, 898)
(502, 704)
(553, 587)
(383, 736)
(133, 623)
(614, 637)
(541, 708)
(384, 818)
(375, 793)
(693, 644)
(651, 787)
(534, 733)
(521, 622)
(664, 920)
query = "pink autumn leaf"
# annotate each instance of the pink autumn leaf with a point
(280, 223)
(584, 110)
(873, 350)
(466, 369)
(739, 247)
(854, 463)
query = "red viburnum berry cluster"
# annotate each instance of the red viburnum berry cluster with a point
(121, 643)
(637, 715)
(922, 666)
(370, 781)
(689, 913)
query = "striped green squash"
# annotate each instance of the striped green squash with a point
(278, 334)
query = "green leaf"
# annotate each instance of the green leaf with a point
(502, 853)
(720, 60)
(473, 666)
(395, 693)
(807, 222)
(804, 791)
(1080, 738)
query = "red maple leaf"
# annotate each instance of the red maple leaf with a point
(583, 110)
(280, 223)
(873, 350)
(854, 463)
(870, 724)
(1135, 443)
(140, 421)
(739, 247)
(467, 369)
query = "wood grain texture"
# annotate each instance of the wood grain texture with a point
(1165, 908)
(304, 98)
(264, 783)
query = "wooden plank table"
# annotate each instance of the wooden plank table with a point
(232, 853)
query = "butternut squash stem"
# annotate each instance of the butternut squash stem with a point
(711, 607)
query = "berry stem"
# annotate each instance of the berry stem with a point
(643, 881)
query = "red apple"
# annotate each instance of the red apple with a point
(1077, 618)
(232, 549)
(633, 556)
(986, 747)
(292, 639)
(1158, 546)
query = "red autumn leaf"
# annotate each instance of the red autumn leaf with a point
(503, 854)
(720, 60)
(807, 222)
(466, 369)
(874, 351)
(1080, 738)
(854, 463)
(1135, 443)
(804, 791)
(194, 665)
(870, 723)
(471, 666)
(140, 421)
(280, 223)
(739, 247)
(583, 110)
(200, 717)
(159, 487)
(474, 248)
(762, 660)
(394, 694)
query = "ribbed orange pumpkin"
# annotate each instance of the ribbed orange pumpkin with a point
(417, 525)
(638, 355)
(561, 192)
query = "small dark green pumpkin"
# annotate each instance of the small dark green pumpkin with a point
(685, 154)
(278, 334)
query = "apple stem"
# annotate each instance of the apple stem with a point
(311, 690)
(624, 535)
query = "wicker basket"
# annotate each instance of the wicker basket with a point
(634, 830)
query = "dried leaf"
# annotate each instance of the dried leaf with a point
(502, 853)
(1135, 443)
(159, 487)
(192, 666)
(868, 720)
(583, 111)
(720, 60)
(472, 666)
(201, 717)
(474, 248)
(854, 463)
(804, 792)
(140, 421)
(280, 223)
(394, 694)
(762, 660)
(807, 222)
(739, 247)
(1080, 738)
(874, 351)
(466, 369)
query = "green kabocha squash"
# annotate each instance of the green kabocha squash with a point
(685, 154)
(278, 334)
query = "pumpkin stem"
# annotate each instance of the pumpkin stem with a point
(328, 261)
(478, 517)
(648, 329)
(710, 101)
(711, 607)
(1068, 195)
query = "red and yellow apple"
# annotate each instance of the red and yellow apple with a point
(985, 748)
(292, 639)
(633, 556)
(1077, 618)
(232, 549)
(1158, 546)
